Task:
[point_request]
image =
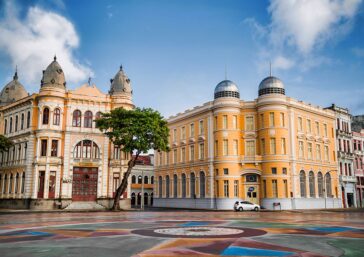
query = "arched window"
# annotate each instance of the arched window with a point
(184, 186)
(320, 185)
(202, 185)
(160, 186)
(139, 179)
(76, 118)
(16, 123)
(152, 179)
(88, 120)
(146, 180)
(98, 115)
(28, 120)
(16, 183)
(56, 116)
(311, 181)
(11, 125)
(23, 183)
(45, 116)
(11, 184)
(5, 126)
(86, 149)
(193, 185)
(303, 183)
(328, 185)
(6, 188)
(175, 183)
(167, 186)
(133, 179)
(22, 121)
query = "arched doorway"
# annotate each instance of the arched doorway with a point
(151, 199)
(133, 199)
(145, 198)
(139, 200)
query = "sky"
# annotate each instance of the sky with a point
(176, 51)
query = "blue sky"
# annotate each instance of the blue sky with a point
(175, 52)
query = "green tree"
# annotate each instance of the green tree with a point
(5, 143)
(135, 132)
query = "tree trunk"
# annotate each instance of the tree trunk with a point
(124, 183)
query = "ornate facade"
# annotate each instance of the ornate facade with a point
(59, 156)
(275, 151)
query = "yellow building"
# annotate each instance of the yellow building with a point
(59, 157)
(273, 150)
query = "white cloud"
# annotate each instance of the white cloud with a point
(32, 42)
(358, 52)
(306, 24)
(282, 63)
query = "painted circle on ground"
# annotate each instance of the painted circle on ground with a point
(199, 231)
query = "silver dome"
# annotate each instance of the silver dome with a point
(271, 85)
(120, 83)
(53, 76)
(226, 88)
(13, 91)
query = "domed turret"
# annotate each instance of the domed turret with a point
(226, 88)
(120, 83)
(13, 91)
(53, 76)
(271, 85)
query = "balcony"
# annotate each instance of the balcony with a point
(251, 159)
(347, 179)
(345, 155)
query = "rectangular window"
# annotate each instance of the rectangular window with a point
(264, 189)
(226, 188)
(116, 152)
(300, 124)
(274, 170)
(183, 132)
(249, 123)
(201, 151)
(43, 148)
(325, 130)
(224, 122)
(236, 188)
(283, 146)
(167, 158)
(216, 148)
(317, 125)
(284, 171)
(285, 185)
(200, 127)
(160, 158)
(318, 152)
(282, 119)
(263, 146)
(300, 149)
(262, 120)
(175, 156)
(309, 129)
(192, 130)
(272, 146)
(54, 150)
(235, 147)
(326, 153)
(309, 151)
(225, 147)
(271, 119)
(235, 122)
(250, 148)
(174, 135)
(183, 154)
(192, 152)
(215, 123)
(226, 171)
(275, 188)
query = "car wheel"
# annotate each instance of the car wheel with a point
(256, 209)
(241, 209)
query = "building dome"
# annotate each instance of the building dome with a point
(53, 76)
(226, 88)
(271, 85)
(120, 83)
(12, 92)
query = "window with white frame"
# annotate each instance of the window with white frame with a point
(249, 123)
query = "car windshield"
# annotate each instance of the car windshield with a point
(237, 202)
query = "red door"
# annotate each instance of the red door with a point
(41, 184)
(52, 185)
(84, 184)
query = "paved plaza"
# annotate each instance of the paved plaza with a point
(182, 233)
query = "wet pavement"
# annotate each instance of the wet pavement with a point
(182, 233)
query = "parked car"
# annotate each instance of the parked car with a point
(246, 206)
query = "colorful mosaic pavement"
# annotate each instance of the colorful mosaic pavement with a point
(179, 233)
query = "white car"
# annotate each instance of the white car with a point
(246, 206)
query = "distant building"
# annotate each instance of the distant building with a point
(142, 180)
(358, 144)
(275, 151)
(59, 156)
(357, 123)
(345, 155)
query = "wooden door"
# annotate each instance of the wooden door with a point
(52, 185)
(41, 184)
(84, 184)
